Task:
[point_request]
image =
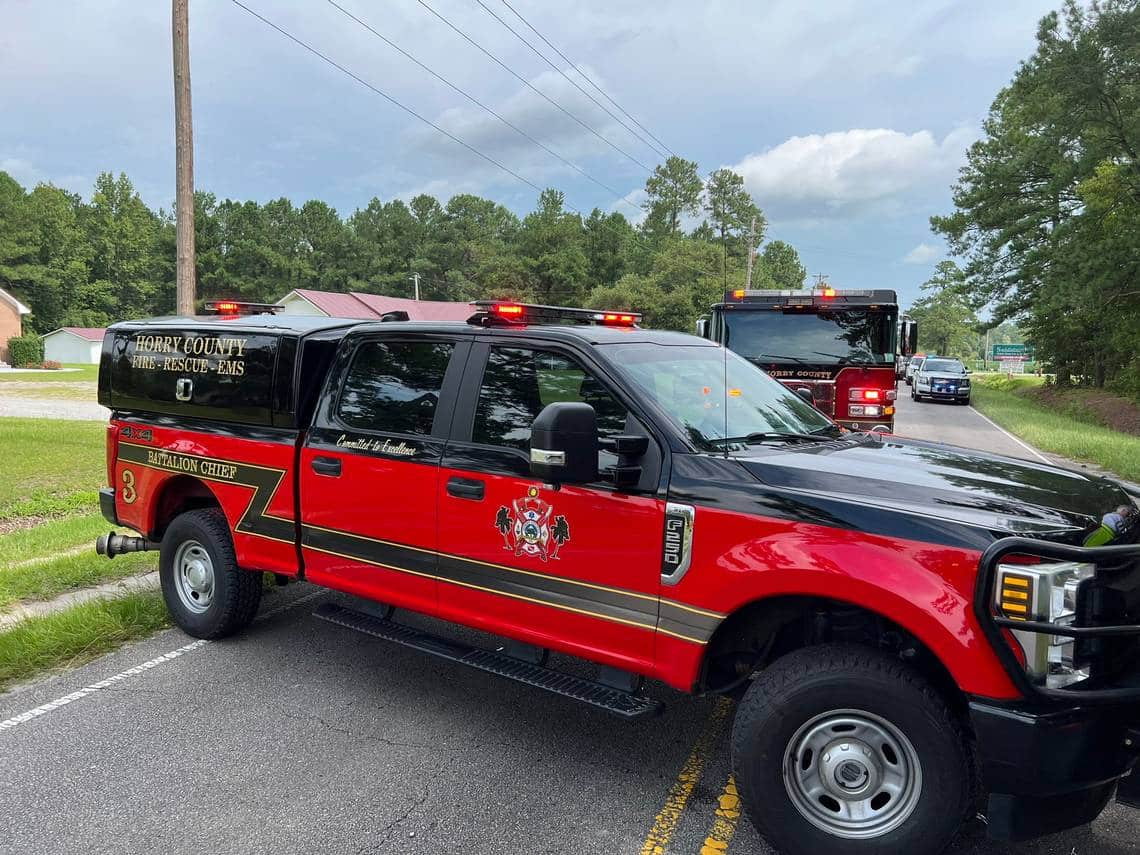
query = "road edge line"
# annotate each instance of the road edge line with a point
(1019, 441)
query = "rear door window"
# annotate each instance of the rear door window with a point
(394, 386)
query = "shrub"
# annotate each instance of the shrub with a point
(26, 350)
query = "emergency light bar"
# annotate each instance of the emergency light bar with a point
(233, 307)
(489, 312)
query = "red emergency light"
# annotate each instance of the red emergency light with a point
(529, 313)
(234, 307)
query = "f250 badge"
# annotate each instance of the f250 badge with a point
(527, 528)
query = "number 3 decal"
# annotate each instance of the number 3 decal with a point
(129, 492)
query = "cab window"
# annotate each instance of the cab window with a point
(393, 386)
(519, 382)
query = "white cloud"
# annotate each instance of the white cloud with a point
(924, 253)
(837, 171)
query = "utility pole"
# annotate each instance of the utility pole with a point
(184, 159)
(751, 252)
(415, 277)
(821, 280)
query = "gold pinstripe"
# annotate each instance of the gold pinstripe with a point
(280, 476)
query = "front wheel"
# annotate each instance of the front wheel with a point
(843, 749)
(205, 591)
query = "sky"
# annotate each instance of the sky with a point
(847, 118)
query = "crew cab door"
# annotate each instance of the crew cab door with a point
(575, 569)
(370, 465)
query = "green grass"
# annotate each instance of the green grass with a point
(51, 577)
(1059, 432)
(50, 467)
(51, 537)
(77, 635)
(85, 373)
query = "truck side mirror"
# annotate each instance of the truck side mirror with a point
(564, 444)
(703, 327)
(805, 393)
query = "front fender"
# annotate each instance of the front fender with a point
(924, 588)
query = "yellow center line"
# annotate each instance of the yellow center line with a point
(669, 817)
(724, 825)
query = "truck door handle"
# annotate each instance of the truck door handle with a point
(465, 488)
(326, 466)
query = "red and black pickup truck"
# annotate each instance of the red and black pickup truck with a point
(915, 632)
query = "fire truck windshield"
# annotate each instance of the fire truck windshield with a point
(688, 384)
(848, 336)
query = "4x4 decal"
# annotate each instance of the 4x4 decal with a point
(527, 527)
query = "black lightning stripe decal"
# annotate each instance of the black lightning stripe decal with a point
(613, 604)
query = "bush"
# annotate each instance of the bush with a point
(26, 350)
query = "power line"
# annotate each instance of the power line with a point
(415, 114)
(586, 77)
(478, 103)
(533, 89)
(567, 78)
(386, 96)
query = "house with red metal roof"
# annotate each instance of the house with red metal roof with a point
(74, 344)
(355, 304)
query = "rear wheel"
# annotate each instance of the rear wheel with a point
(846, 750)
(206, 593)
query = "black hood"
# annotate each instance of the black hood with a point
(1002, 495)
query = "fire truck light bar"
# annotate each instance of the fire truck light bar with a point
(492, 311)
(826, 293)
(233, 307)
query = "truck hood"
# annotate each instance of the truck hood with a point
(945, 375)
(889, 474)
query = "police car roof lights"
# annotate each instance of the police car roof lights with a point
(491, 312)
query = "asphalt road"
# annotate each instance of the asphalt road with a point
(300, 736)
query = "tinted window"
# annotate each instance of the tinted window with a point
(518, 383)
(394, 386)
(823, 337)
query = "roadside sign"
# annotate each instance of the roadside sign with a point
(1012, 351)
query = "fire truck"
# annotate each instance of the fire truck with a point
(913, 632)
(836, 348)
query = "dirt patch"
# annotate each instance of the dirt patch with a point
(1112, 411)
(18, 523)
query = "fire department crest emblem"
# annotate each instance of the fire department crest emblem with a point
(529, 527)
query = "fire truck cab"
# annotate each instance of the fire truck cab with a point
(914, 632)
(836, 348)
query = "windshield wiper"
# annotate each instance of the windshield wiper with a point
(761, 356)
(848, 359)
(775, 436)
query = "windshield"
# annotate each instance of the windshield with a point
(688, 384)
(828, 336)
(943, 366)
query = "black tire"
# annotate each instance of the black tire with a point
(234, 594)
(966, 402)
(815, 681)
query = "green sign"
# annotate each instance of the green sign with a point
(1025, 351)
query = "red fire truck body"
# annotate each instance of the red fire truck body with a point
(658, 506)
(837, 348)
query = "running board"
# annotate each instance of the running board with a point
(624, 704)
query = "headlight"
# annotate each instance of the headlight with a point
(962, 384)
(1047, 593)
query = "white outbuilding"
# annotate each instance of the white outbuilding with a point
(74, 344)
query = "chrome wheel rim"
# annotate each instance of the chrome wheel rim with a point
(194, 576)
(852, 774)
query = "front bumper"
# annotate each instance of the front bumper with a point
(959, 394)
(1045, 771)
(107, 505)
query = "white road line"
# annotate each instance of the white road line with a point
(102, 684)
(1023, 444)
(51, 706)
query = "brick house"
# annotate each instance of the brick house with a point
(12, 313)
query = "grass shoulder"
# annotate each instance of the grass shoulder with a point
(71, 373)
(77, 635)
(49, 467)
(1078, 432)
